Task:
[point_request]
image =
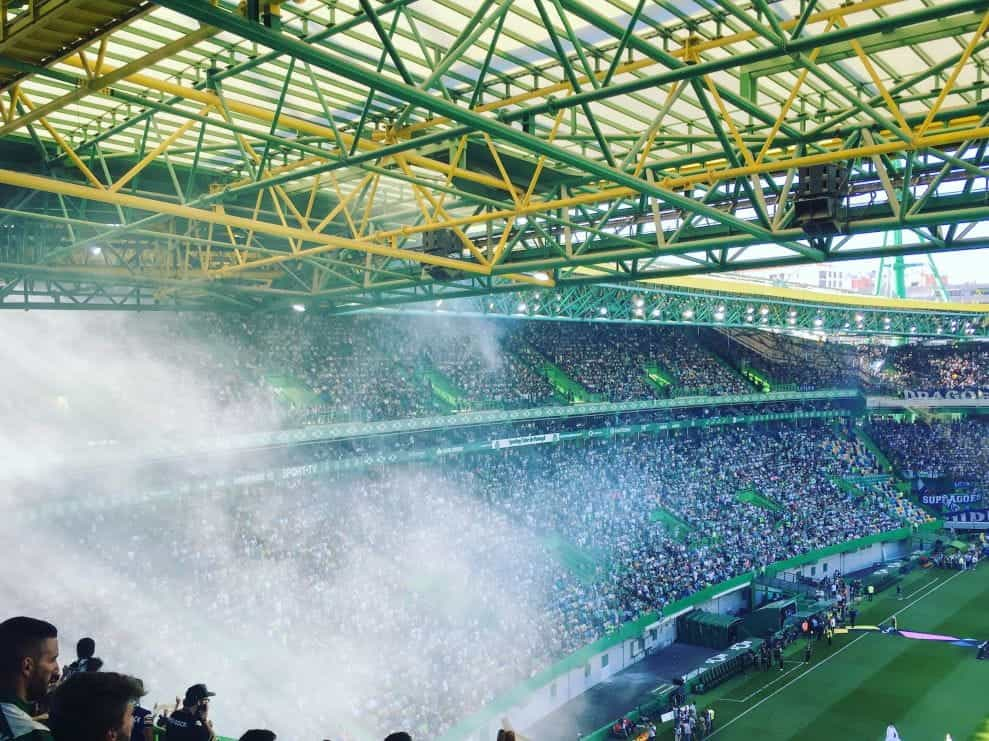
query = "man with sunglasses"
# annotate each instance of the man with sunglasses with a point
(191, 721)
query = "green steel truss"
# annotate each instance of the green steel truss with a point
(346, 154)
(640, 304)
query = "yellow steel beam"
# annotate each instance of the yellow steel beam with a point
(546, 282)
(60, 141)
(791, 99)
(709, 177)
(710, 172)
(713, 171)
(204, 97)
(953, 77)
(94, 84)
(540, 163)
(755, 290)
(324, 242)
(891, 105)
(694, 48)
(153, 154)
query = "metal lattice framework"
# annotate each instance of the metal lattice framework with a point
(354, 153)
(805, 315)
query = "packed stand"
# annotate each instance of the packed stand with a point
(611, 360)
(427, 556)
(933, 368)
(788, 361)
(606, 360)
(473, 356)
(956, 450)
(359, 368)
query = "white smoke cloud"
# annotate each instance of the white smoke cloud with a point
(307, 609)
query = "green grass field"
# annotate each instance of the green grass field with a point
(865, 681)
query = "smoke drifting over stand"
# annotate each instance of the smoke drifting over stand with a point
(307, 606)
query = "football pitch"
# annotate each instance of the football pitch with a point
(865, 681)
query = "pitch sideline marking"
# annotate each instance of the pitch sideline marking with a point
(930, 584)
(768, 684)
(828, 658)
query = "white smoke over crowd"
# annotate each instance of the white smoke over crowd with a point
(307, 607)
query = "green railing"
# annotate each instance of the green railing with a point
(346, 430)
(358, 463)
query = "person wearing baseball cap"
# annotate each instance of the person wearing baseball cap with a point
(191, 722)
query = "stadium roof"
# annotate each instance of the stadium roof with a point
(355, 153)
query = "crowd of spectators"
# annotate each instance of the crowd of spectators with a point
(957, 450)
(266, 371)
(939, 368)
(784, 361)
(472, 355)
(611, 360)
(426, 557)
(311, 368)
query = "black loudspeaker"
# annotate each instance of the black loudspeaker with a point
(817, 200)
(679, 681)
(442, 243)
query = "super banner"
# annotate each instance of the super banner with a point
(949, 502)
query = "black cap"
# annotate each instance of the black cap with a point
(196, 694)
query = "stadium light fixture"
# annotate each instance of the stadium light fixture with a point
(719, 315)
(818, 322)
(859, 318)
(639, 302)
(96, 250)
(655, 312)
(688, 314)
(522, 308)
(603, 311)
(639, 312)
(764, 311)
(540, 275)
(299, 308)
